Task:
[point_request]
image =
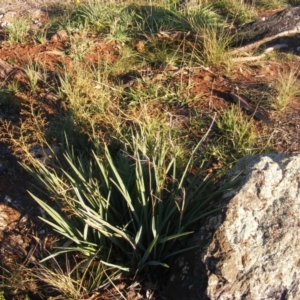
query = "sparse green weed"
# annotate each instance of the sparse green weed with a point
(79, 44)
(95, 16)
(162, 52)
(235, 11)
(18, 31)
(213, 45)
(200, 17)
(153, 19)
(88, 95)
(14, 86)
(39, 35)
(237, 129)
(271, 4)
(35, 73)
(237, 138)
(287, 87)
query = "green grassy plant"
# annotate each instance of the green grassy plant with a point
(39, 35)
(18, 31)
(109, 19)
(79, 44)
(237, 12)
(237, 129)
(271, 4)
(96, 16)
(237, 138)
(153, 19)
(129, 209)
(212, 47)
(13, 87)
(121, 27)
(162, 52)
(287, 87)
(89, 104)
(200, 17)
(35, 72)
(127, 60)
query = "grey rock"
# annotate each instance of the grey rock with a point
(254, 254)
(250, 248)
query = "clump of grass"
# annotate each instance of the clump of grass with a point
(35, 73)
(110, 20)
(153, 19)
(97, 17)
(200, 17)
(160, 52)
(212, 47)
(237, 129)
(215, 46)
(287, 87)
(79, 44)
(128, 209)
(235, 11)
(271, 4)
(40, 34)
(69, 278)
(89, 105)
(236, 137)
(18, 31)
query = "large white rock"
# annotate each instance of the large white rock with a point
(250, 249)
(255, 252)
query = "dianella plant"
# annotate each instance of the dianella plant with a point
(131, 207)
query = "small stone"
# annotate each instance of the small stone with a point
(6, 24)
(7, 200)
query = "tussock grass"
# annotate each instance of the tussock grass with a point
(215, 46)
(237, 130)
(272, 4)
(236, 137)
(235, 11)
(287, 87)
(35, 72)
(18, 31)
